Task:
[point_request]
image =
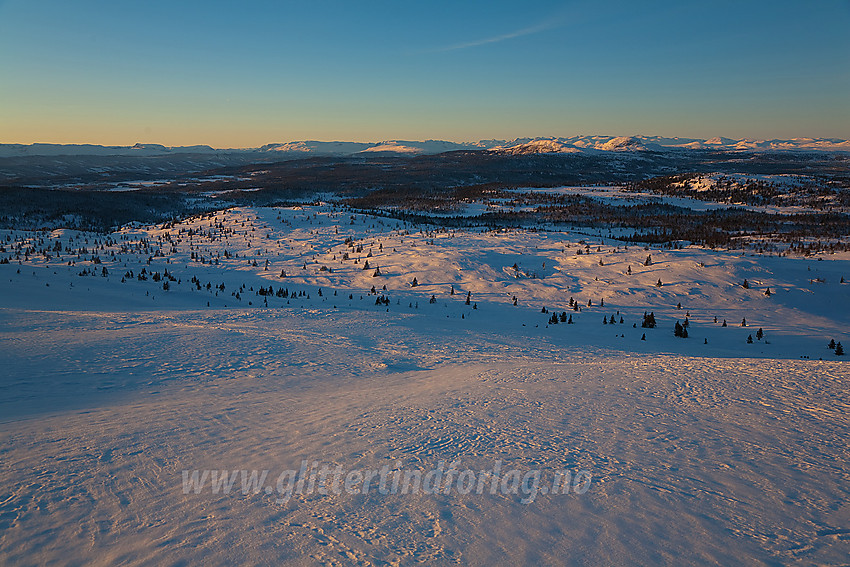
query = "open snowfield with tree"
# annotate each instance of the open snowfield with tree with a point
(259, 338)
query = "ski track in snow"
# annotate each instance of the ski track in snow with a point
(724, 453)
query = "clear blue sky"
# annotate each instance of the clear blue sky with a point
(241, 74)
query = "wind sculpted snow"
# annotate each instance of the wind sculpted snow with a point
(700, 450)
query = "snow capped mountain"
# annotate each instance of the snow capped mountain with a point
(24, 150)
(518, 146)
(317, 147)
(542, 146)
(402, 147)
(415, 147)
(622, 143)
(658, 143)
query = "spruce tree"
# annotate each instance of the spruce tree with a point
(750, 340)
(759, 334)
(831, 344)
(839, 350)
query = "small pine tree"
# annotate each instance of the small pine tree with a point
(658, 283)
(749, 339)
(648, 261)
(724, 323)
(746, 284)
(648, 321)
(678, 329)
(629, 271)
(759, 334)
(831, 344)
(452, 292)
(744, 322)
(414, 283)
(839, 350)
(468, 296)
(767, 292)
(605, 320)
(570, 320)
(643, 337)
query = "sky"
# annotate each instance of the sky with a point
(244, 74)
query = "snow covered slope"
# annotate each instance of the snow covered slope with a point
(251, 339)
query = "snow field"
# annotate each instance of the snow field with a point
(725, 452)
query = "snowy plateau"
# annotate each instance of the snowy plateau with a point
(251, 336)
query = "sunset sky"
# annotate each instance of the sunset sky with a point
(245, 74)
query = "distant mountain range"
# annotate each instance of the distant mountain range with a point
(520, 146)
